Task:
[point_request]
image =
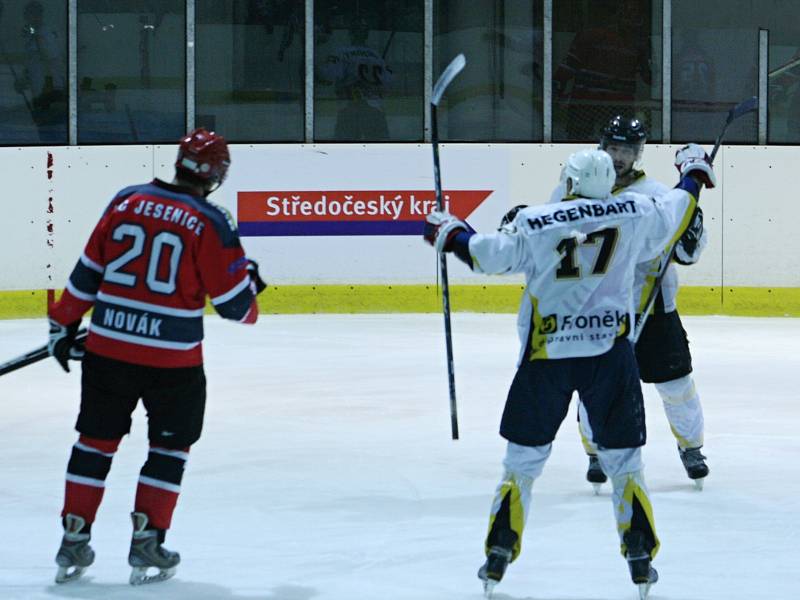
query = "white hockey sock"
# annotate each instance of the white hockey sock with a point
(683, 410)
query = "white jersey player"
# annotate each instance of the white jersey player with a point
(360, 77)
(579, 258)
(662, 350)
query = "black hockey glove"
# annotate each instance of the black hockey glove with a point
(252, 270)
(62, 345)
(687, 244)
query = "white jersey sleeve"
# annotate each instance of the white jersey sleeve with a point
(647, 272)
(579, 258)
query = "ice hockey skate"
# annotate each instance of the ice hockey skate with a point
(642, 573)
(148, 553)
(695, 464)
(75, 553)
(493, 569)
(594, 474)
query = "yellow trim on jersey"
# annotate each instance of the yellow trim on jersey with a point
(649, 282)
(537, 336)
(633, 489)
(687, 218)
(359, 299)
(516, 515)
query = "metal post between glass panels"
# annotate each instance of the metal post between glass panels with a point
(763, 60)
(666, 72)
(547, 72)
(72, 60)
(309, 72)
(190, 65)
(427, 79)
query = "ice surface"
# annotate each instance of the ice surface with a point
(326, 471)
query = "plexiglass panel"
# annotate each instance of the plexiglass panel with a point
(498, 96)
(131, 71)
(250, 69)
(33, 72)
(369, 70)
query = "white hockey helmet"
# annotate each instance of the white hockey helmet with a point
(589, 173)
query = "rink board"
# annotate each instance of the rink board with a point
(336, 227)
(307, 299)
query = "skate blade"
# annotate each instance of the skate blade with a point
(597, 487)
(64, 575)
(488, 587)
(644, 590)
(698, 484)
(139, 575)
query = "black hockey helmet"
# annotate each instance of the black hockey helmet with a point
(626, 132)
(623, 130)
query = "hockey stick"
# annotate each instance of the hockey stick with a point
(741, 109)
(388, 44)
(34, 356)
(453, 69)
(791, 64)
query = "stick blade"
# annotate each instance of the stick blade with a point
(744, 107)
(454, 68)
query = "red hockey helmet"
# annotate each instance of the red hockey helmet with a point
(204, 155)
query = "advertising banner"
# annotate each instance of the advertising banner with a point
(353, 212)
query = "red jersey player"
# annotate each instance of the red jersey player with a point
(158, 251)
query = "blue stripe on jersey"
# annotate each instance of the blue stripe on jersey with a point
(688, 184)
(84, 279)
(236, 307)
(460, 245)
(145, 324)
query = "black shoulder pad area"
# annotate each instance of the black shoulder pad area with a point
(223, 223)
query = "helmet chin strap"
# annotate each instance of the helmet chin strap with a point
(212, 188)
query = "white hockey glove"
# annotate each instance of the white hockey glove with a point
(62, 345)
(693, 159)
(440, 228)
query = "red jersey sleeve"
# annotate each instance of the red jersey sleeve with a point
(222, 267)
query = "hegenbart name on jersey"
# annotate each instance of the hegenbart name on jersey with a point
(380, 212)
(579, 327)
(583, 211)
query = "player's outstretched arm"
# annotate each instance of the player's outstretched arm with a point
(492, 254)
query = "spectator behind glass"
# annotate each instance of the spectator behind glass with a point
(360, 77)
(599, 76)
(44, 75)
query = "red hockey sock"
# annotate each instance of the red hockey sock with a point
(160, 485)
(87, 470)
